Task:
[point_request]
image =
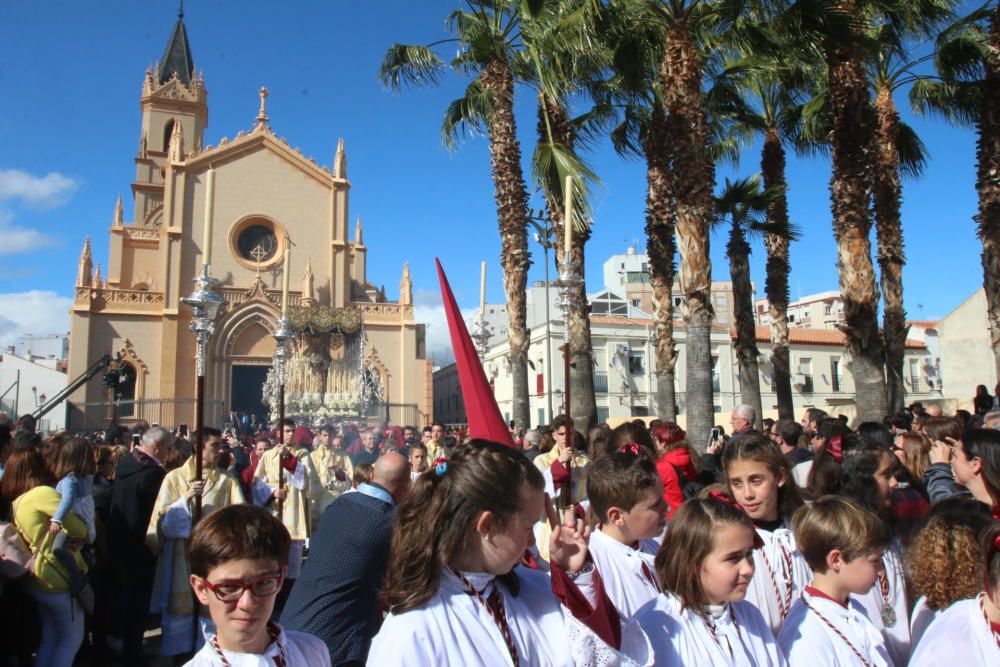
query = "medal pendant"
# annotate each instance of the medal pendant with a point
(888, 616)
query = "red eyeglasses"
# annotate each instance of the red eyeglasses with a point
(260, 587)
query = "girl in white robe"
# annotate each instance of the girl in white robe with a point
(758, 478)
(626, 496)
(827, 625)
(705, 565)
(944, 561)
(967, 634)
(454, 596)
(867, 478)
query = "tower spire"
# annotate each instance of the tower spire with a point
(85, 267)
(176, 57)
(358, 237)
(340, 161)
(119, 219)
(406, 287)
(307, 285)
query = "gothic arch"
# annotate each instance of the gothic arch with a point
(128, 355)
(256, 313)
(155, 217)
(373, 361)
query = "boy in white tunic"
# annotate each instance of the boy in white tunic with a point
(827, 627)
(705, 565)
(968, 633)
(626, 496)
(237, 557)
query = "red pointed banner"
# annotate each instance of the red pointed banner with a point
(485, 420)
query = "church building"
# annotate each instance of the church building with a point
(356, 355)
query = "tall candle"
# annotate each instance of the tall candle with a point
(284, 278)
(568, 217)
(206, 245)
(482, 291)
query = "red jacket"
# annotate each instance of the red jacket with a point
(673, 493)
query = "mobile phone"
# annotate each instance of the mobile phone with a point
(135, 439)
(183, 429)
(713, 436)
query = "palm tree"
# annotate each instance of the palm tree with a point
(771, 108)
(968, 94)
(489, 38)
(898, 151)
(745, 205)
(835, 32)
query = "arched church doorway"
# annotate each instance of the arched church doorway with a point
(246, 397)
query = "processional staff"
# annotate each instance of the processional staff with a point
(568, 282)
(282, 336)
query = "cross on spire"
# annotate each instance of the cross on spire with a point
(262, 119)
(258, 253)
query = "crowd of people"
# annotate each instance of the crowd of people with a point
(785, 542)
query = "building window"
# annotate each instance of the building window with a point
(914, 375)
(600, 382)
(804, 375)
(716, 385)
(636, 303)
(828, 309)
(835, 377)
(791, 318)
(602, 414)
(640, 411)
(636, 363)
(677, 302)
(168, 130)
(541, 417)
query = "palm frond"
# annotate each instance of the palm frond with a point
(912, 151)
(551, 163)
(409, 65)
(467, 115)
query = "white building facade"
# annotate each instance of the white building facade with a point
(25, 385)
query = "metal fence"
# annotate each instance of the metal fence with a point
(167, 412)
(398, 414)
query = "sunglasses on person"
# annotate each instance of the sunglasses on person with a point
(259, 587)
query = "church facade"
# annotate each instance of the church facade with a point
(268, 198)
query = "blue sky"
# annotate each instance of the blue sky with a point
(69, 128)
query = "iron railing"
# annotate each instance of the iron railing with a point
(167, 412)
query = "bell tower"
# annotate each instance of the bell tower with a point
(173, 93)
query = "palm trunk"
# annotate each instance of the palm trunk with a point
(511, 196)
(772, 166)
(583, 404)
(738, 251)
(889, 234)
(692, 180)
(988, 183)
(850, 189)
(661, 248)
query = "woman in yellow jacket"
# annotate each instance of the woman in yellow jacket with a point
(61, 615)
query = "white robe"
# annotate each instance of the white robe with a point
(809, 642)
(453, 628)
(620, 566)
(897, 638)
(261, 493)
(959, 637)
(788, 571)
(682, 638)
(301, 650)
(920, 619)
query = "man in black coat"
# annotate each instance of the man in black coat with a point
(133, 495)
(336, 596)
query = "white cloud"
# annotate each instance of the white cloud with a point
(34, 312)
(47, 191)
(428, 309)
(14, 239)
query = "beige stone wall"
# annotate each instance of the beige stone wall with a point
(966, 357)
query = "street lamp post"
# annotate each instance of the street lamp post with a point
(206, 306)
(543, 237)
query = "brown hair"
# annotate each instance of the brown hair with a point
(688, 542)
(24, 470)
(945, 559)
(436, 520)
(620, 479)
(237, 532)
(757, 447)
(626, 434)
(939, 428)
(990, 545)
(917, 448)
(363, 473)
(74, 455)
(833, 522)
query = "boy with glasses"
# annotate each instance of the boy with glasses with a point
(237, 556)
